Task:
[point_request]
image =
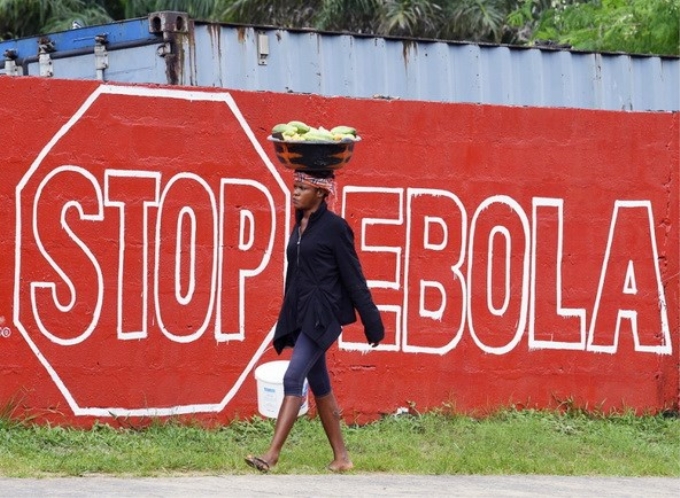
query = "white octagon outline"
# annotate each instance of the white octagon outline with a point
(134, 91)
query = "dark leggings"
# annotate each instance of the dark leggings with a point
(308, 361)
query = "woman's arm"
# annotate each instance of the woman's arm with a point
(354, 281)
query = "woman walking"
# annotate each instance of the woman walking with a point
(324, 286)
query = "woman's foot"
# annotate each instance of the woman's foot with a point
(259, 463)
(341, 465)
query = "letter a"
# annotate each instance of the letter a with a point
(630, 288)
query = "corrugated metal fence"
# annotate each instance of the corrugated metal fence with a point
(168, 48)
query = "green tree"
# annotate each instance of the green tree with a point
(469, 20)
(286, 14)
(637, 26)
(409, 18)
(632, 26)
(197, 9)
(19, 18)
(478, 20)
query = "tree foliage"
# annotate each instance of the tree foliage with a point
(20, 18)
(637, 26)
(471, 20)
(633, 26)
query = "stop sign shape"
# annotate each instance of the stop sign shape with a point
(150, 236)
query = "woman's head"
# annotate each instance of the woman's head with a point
(323, 179)
(310, 188)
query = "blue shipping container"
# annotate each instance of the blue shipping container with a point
(170, 48)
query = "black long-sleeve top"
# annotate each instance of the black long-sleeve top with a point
(325, 284)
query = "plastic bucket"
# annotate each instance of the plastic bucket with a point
(269, 377)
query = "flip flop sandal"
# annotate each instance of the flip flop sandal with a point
(257, 463)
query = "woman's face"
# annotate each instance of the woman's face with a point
(305, 197)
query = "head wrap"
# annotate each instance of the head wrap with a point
(327, 184)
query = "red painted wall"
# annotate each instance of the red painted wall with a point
(519, 255)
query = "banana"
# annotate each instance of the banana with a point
(344, 130)
(279, 128)
(318, 135)
(284, 130)
(299, 126)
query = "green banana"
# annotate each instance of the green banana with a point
(299, 126)
(344, 130)
(280, 128)
(318, 135)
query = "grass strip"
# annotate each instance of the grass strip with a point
(507, 442)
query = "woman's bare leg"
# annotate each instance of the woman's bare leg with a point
(329, 413)
(288, 414)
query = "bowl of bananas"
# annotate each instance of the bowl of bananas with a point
(299, 146)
